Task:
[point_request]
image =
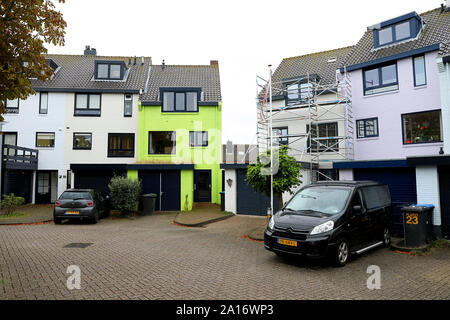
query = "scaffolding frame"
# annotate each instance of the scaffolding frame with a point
(307, 92)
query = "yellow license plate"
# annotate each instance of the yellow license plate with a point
(287, 242)
(72, 212)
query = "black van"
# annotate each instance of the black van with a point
(332, 219)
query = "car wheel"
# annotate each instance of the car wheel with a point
(342, 253)
(95, 218)
(57, 220)
(386, 237)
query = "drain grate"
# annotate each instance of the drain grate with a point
(78, 245)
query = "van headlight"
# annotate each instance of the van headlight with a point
(324, 227)
(271, 223)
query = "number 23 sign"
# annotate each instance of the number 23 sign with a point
(412, 218)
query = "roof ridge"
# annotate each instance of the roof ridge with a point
(431, 10)
(184, 65)
(319, 52)
(87, 55)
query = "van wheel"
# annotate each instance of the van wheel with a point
(386, 237)
(341, 253)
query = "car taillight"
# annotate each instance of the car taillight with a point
(90, 203)
(57, 204)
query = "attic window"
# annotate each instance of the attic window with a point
(52, 64)
(332, 59)
(397, 30)
(110, 70)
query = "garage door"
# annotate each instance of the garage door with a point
(402, 186)
(444, 192)
(98, 180)
(166, 184)
(248, 200)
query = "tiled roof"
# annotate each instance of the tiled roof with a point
(437, 30)
(205, 77)
(77, 73)
(313, 63)
(445, 49)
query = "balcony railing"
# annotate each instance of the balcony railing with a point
(19, 158)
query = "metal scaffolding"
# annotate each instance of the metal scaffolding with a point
(307, 101)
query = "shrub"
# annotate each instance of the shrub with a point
(124, 193)
(10, 203)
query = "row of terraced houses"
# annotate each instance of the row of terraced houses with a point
(99, 116)
(399, 75)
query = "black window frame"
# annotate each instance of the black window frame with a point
(121, 64)
(365, 131)
(81, 133)
(425, 142)
(176, 91)
(87, 112)
(54, 139)
(174, 149)
(394, 85)
(299, 81)
(14, 110)
(424, 69)
(124, 105)
(192, 138)
(40, 102)
(413, 31)
(280, 139)
(121, 135)
(323, 148)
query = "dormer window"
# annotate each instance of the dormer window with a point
(298, 91)
(110, 70)
(396, 30)
(180, 99)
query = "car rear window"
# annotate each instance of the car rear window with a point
(75, 195)
(376, 196)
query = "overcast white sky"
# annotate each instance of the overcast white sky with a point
(245, 36)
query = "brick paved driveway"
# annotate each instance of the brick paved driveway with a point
(150, 258)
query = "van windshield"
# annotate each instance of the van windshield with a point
(327, 200)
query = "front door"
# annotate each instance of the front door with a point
(43, 187)
(202, 186)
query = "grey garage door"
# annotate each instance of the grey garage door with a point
(248, 200)
(98, 180)
(166, 185)
(402, 186)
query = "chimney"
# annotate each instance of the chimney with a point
(134, 60)
(214, 63)
(142, 60)
(163, 65)
(88, 51)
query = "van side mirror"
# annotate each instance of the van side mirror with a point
(356, 209)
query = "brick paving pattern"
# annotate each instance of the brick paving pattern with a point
(151, 258)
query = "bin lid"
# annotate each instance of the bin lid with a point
(150, 195)
(418, 208)
(222, 192)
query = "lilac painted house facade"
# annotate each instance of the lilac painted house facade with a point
(400, 118)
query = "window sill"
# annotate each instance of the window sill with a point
(180, 112)
(368, 138)
(45, 148)
(423, 144)
(420, 87)
(162, 154)
(381, 94)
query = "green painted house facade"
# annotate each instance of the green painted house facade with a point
(180, 136)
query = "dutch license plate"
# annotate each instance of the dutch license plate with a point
(72, 212)
(287, 242)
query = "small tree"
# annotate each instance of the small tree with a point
(10, 203)
(25, 26)
(284, 179)
(124, 193)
